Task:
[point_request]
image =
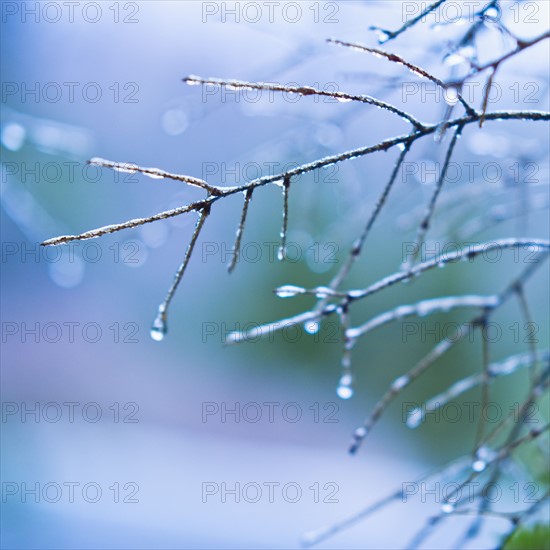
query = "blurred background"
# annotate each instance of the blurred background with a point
(113, 440)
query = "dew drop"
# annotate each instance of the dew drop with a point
(451, 95)
(192, 80)
(360, 433)
(312, 327)
(323, 292)
(344, 392)
(492, 13)
(414, 419)
(400, 383)
(159, 328)
(289, 291)
(454, 59)
(479, 465)
(382, 35)
(447, 508)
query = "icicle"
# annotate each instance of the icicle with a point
(159, 327)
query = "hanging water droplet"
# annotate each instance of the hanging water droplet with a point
(479, 465)
(344, 390)
(451, 95)
(360, 433)
(415, 418)
(281, 254)
(289, 291)
(492, 12)
(312, 327)
(382, 35)
(447, 508)
(159, 328)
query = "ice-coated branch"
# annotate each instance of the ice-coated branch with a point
(415, 69)
(385, 35)
(439, 350)
(160, 327)
(342, 97)
(425, 223)
(154, 173)
(505, 367)
(240, 229)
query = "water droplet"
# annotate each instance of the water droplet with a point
(344, 392)
(383, 36)
(323, 292)
(154, 175)
(451, 95)
(493, 13)
(312, 327)
(159, 328)
(415, 418)
(447, 508)
(192, 80)
(454, 59)
(289, 291)
(360, 433)
(400, 383)
(479, 465)
(13, 136)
